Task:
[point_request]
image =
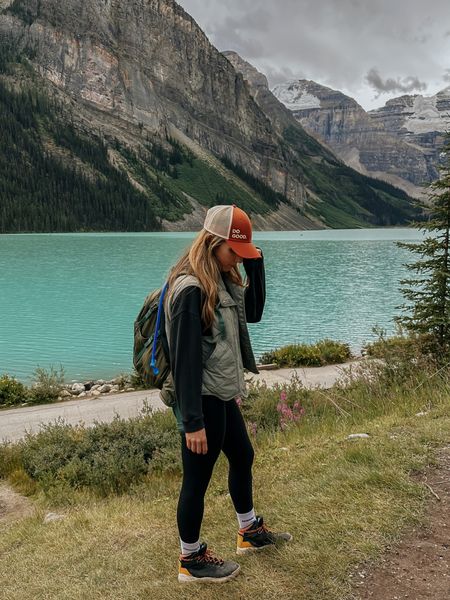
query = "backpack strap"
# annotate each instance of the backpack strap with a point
(182, 282)
(158, 323)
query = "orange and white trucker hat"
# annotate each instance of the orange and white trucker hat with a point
(233, 225)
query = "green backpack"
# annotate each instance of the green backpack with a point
(151, 349)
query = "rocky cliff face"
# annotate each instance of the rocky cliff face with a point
(418, 120)
(147, 61)
(365, 143)
(280, 116)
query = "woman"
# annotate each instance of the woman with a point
(207, 309)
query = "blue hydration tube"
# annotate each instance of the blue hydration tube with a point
(158, 323)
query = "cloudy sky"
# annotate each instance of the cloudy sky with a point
(372, 50)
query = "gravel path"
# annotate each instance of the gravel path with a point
(15, 422)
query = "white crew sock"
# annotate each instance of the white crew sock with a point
(189, 548)
(245, 519)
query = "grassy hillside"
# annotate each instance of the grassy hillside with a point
(178, 171)
(347, 198)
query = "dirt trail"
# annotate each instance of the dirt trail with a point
(13, 506)
(418, 568)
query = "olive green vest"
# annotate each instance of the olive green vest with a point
(227, 351)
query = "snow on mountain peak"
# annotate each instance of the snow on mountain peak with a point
(294, 96)
(420, 114)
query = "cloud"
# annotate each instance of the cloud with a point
(229, 34)
(446, 76)
(387, 86)
(241, 34)
(424, 38)
(335, 42)
(280, 75)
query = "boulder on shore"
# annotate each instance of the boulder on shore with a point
(77, 388)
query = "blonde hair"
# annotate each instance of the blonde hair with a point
(200, 260)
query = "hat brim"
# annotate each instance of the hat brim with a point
(244, 249)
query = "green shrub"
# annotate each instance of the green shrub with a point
(47, 385)
(396, 347)
(324, 352)
(106, 458)
(402, 356)
(44, 454)
(12, 392)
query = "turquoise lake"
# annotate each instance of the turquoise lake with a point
(71, 299)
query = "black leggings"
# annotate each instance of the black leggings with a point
(225, 430)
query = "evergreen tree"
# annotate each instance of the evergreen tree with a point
(428, 293)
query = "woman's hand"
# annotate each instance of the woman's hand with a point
(196, 441)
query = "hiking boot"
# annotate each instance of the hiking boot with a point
(203, 566)
(257, 537)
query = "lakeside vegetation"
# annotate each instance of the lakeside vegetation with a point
(48, 384)
(323, 352)
(46, 387)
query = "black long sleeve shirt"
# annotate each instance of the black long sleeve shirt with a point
(186, 341)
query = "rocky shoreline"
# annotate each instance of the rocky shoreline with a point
(122, 383)
(95, 388)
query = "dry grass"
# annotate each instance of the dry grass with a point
(344, 501)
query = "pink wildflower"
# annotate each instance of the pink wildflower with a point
(287, 414)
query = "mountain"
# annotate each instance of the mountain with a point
(418, 120)
(368, 142)
(130, 106)
(288, 125)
